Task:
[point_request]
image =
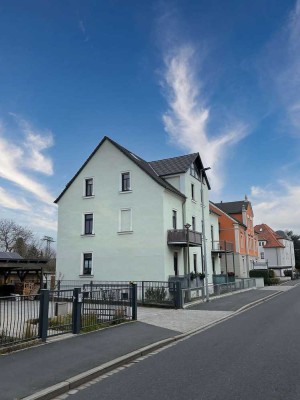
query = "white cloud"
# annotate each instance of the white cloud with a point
(188, 115)
(278, 206)
(15, 159)
(23, 197)
(8, 201)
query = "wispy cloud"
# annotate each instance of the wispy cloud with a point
(277, 206)
(22, 161)
(8, 201)
(82, 28)
(187, 118)
(280, 69)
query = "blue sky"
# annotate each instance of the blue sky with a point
(163, 78)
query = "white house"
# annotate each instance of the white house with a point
(275, 249)
(122, 218)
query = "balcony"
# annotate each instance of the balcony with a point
(221, 246)
(180, 237)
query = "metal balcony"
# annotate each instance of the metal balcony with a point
(221, 246)
(180, 237)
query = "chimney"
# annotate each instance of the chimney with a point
(244, 215)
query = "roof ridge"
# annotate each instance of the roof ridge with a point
(171, 158)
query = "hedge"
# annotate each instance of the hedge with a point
(267, 274)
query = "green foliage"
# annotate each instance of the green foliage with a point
(155, 295)
(274, 281)
(287, 272)
(267, 274)
(194, 275)
(61, 322)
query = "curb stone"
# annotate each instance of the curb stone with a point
(84, 377)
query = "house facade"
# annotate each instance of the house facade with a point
(237, 233)
(122, 218)
(275, 249)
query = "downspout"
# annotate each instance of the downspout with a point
(185, 258)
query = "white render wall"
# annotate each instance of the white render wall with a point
(214, 222)
(142, 254)
(132, 256)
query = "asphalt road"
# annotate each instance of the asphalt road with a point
(252, 356)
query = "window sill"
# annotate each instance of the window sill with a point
(88, 197)
(125, 191)
(125, 232)
(86, 276)
(87, 235)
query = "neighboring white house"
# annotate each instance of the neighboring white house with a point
(122, 218)
(215, 245)
(275, 249)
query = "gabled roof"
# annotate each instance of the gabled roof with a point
(267, 234)
(177, 165)
(233, 207)
(211, 204)
(144, 165)
(283, 235)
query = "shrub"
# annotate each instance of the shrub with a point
(260, 273)
(273, 281)
(288, 272)
(155, 295)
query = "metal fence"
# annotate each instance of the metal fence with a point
(19, 319)
(154, 293)
(55, 312)
(60, 310)
(199, 293)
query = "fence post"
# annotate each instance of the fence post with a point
(177, 295)
(143, 293)
(76, 314)
(133, 287)
(43, 317)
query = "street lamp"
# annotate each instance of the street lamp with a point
(203, 233)
(187, 227)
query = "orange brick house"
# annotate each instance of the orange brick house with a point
(236, 228)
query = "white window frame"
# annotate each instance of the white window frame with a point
(176, 211)
(120, 182)
(83, 224)
(120, 232)
(195, 220)
(193, 192)
(84, 187)
(81, 264)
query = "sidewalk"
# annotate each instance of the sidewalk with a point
(28, 371)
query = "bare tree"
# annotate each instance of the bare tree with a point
(12, 233)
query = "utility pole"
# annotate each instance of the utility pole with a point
(203, 235)
(48, 240)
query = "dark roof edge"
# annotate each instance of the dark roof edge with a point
(228, 215)
(119, 147)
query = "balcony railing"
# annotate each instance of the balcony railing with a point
(180, 237)
(222, 246)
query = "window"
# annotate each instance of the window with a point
(195, 262)
(87, 264)
(125, 182)
(193, 191)
(262, 255)
(88, 224)
(193, 223)
(175, 263)
(125, 220)
(88, 191)
(174, 219)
